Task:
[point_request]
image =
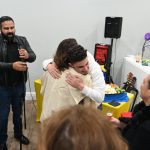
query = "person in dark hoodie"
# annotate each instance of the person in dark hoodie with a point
(137, 130)
(15, 52)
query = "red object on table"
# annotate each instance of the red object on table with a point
(126, 114)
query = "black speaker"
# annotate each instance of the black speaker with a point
(113, 26)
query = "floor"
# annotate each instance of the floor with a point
(32, 131)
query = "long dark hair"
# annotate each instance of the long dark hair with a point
(60, 57)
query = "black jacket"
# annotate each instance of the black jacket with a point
(137, 132)
(7, 66)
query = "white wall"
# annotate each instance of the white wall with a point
(46, 22)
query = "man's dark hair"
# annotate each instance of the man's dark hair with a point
(76, 53)
(5, 18)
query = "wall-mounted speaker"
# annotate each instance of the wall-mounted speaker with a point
(113, 26)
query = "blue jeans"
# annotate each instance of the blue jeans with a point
(11, 96)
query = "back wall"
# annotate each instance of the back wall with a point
(45, 23)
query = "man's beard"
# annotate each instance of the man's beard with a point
(9, 36)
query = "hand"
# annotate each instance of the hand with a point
(20, 66)
(54, 72)
(23, 54)
(75, 81)
(115, 122)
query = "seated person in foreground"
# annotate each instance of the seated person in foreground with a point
(79, 128)
(60, 64)
(67, 90)
(137, 130)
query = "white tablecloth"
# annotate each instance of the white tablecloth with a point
(139, 71)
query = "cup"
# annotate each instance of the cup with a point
(109, 115)
(138, 58)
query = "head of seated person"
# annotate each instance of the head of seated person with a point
(80, 128)
(145, 90)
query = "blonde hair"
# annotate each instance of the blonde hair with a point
(80, 128)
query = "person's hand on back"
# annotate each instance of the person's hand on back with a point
(75, 81)
(54, 72)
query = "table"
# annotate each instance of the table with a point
(117, 110)
(139, 71)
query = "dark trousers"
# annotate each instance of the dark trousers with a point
(11, 96)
